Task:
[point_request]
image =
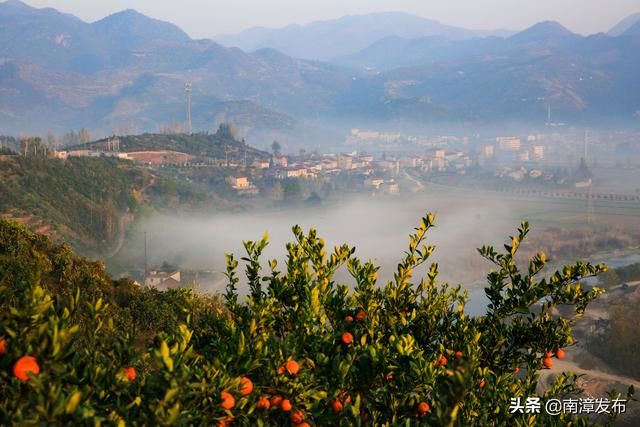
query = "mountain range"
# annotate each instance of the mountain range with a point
(325, 40)
(128, 70)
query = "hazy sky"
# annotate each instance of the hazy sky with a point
(206, 18)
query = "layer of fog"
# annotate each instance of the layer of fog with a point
(377, 227)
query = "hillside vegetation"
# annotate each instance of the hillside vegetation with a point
(299, 350)
(218, 145)
(619, 344)
(80, 199)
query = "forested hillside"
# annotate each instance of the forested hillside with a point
(79, 199)
(218, 145)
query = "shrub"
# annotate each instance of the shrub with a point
(415, 357)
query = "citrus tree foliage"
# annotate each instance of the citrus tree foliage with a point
(299, 348)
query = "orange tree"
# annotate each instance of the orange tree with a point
(300, 349)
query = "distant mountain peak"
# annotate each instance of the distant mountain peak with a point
(125, 14)
(132, 26)
(15, 3)
(15, 6)
(541, 31)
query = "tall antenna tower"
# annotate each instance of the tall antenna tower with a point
(187, 102)
(586, 145)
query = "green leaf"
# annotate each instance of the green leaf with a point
(73, 402)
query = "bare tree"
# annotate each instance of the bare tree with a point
(84, 135)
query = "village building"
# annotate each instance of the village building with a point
(261, 164)
(282, 161)
(163, 280)
(238, 182)
(374, 182)
(390, 187)
(345, 162)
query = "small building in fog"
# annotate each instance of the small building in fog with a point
(163, 280)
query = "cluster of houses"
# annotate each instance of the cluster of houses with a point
(285, 167)
(519, 173)
(513, 148)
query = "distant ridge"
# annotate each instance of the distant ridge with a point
(325, 40)
(57, 72)
(623, 26)
(634, 30)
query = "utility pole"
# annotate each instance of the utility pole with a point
(146, 266)
(548, 114)
(591, 214)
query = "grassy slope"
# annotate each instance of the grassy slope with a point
(80, 199)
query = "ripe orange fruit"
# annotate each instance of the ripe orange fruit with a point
(482, 383)
(228, 401)
(442, 361)
(246, 386)
(347, 399)
(3, 347)
(303, 425)
(515, 371)
(458, 354)
(264, 403)
(280, 370)
(292, 367)
(24, 366)
(361, 315)
(226, 422)
(275, 400)
(548, 362)
(423, 408)
(130, 373)
(548, 355)
(348, 319)
(285, 405)
(337, 406)
(297, 417)
(347, 338)
(388, 377)
(560, 354)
